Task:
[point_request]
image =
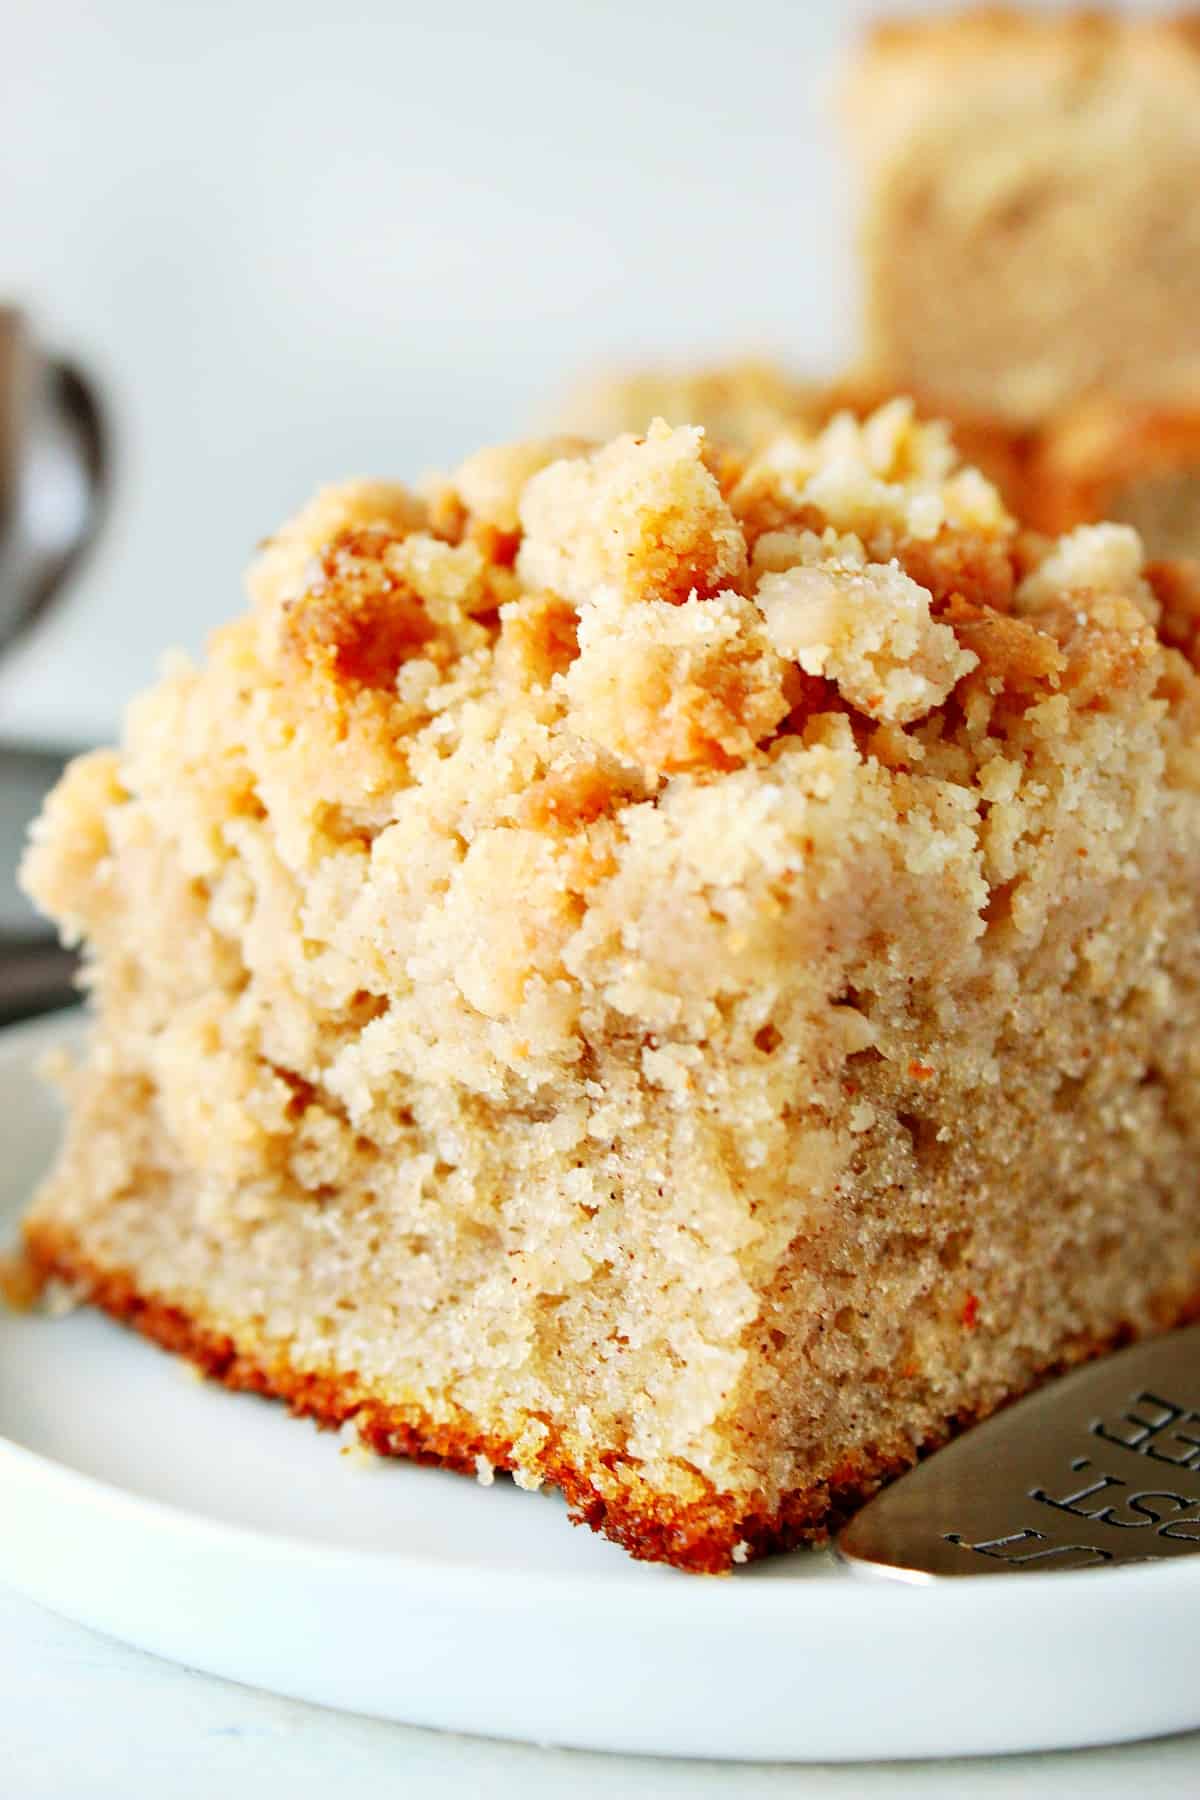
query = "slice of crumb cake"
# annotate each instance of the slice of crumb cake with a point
(1030, 231)
(672, 974)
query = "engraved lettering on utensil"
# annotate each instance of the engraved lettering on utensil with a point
(1152, 1428)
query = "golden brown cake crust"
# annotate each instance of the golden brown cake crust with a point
(699, 1538)
(703, 1538)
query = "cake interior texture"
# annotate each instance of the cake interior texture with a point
(1030, 230)
(671, 972)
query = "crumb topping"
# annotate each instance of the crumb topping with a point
(552, 743)
(642, 518)
(456, 724)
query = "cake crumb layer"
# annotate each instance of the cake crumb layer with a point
(704, 1538)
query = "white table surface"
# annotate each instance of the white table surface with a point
(82, 1718)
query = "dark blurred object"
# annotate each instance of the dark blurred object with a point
(36, 974)
(53, 463)
(53, 484)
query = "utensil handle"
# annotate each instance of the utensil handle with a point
(35, 977)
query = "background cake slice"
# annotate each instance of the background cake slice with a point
(671, 973)
(1108, 460)
(1030, 227)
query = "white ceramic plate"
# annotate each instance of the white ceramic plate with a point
(214, 1530)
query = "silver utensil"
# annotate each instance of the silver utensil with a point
(1101, 1467)
(53, 486)
(53, 466)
